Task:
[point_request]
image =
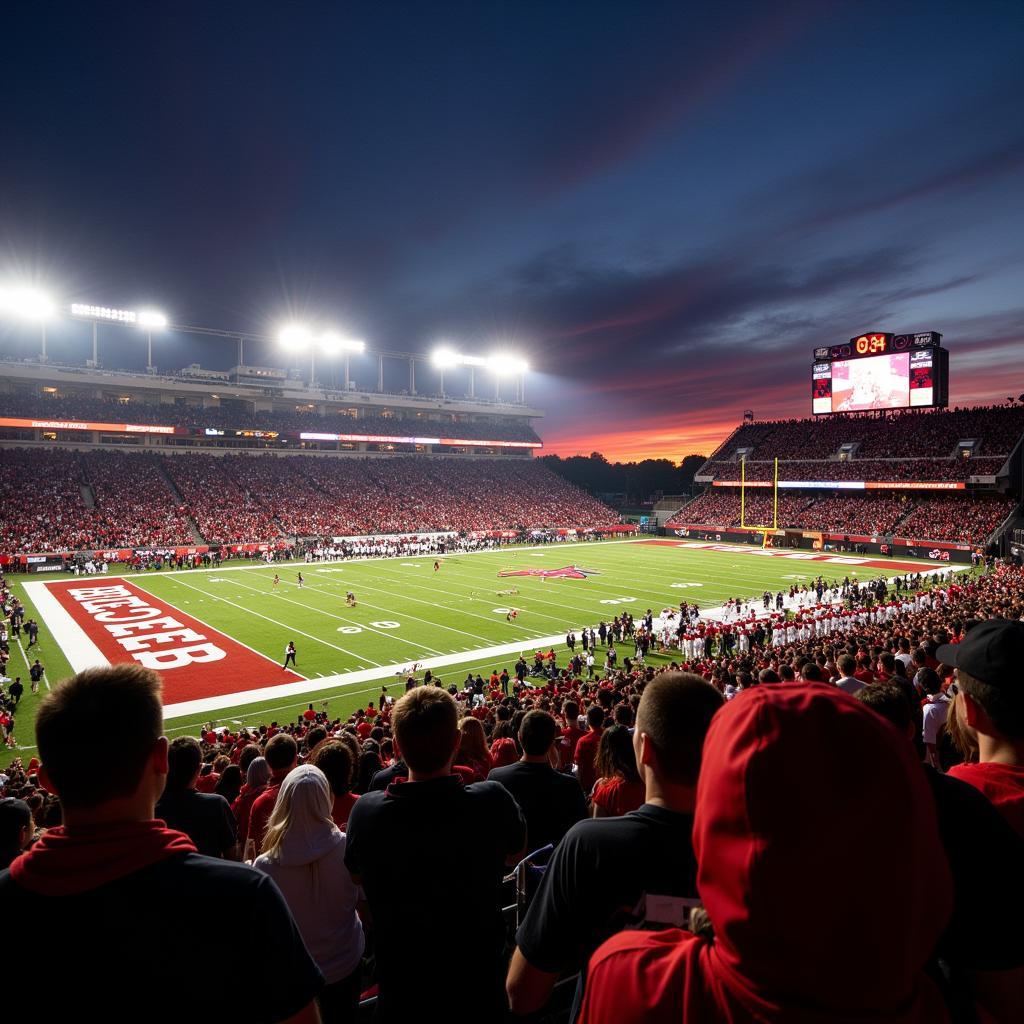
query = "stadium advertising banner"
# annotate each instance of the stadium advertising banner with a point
(392, 439)
(115, 428)
(851, 485)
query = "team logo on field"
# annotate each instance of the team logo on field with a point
(567, 572)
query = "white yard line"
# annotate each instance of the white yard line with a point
(242, 608)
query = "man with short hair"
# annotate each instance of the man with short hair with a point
(282, 754)
(606, 864)
(990, 709)
(114, 897)
(205, 818)
(464, 837)
(848, 682)
(550, 801)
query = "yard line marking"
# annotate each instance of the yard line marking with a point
(344, 618)
(280, 625)
(415, 618)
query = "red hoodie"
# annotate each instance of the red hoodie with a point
(812, 816)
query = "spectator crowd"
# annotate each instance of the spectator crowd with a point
(825, 823)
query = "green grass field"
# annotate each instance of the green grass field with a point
(408, 613)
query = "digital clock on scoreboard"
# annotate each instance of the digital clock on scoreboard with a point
(876, 344)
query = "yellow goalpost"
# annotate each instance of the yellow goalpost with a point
(765, 531)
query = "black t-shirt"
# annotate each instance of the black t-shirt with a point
(597, 876)
(146, 946)
(437, 922)
(382, 779)
(551, 803)
(205, 818)
(985, 855)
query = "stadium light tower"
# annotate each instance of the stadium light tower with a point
(444, 358)
(332, 343)
(298, 338)
(503, 364)
(28, 304)
(152, 321)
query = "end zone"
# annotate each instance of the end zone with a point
(111, 621)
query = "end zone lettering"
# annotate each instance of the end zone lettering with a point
(117, 620)
(153, 639)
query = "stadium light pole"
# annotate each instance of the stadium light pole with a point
(332, 343)
(502, 364)
(28, 304)
(152, 321)
(444, 358)
(297, 338)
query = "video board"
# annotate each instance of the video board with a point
(880, 371)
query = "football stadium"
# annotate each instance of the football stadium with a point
(338, 683)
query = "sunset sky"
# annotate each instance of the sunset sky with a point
(664, 206)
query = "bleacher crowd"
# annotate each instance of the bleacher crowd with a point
(954, 518)
(255, 498)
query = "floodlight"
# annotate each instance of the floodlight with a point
(506, 365)
(295, 337)
(332, 343)
(26, 302)
(472, 361)
(445, 358)
(151, 319)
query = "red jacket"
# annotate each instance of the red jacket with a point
(809, 809)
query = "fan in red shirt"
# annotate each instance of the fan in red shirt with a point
(571, 734)
(767, 851)
(282, 755)
(335, 760)
(586, 749)
(989, 710)
(619, 788)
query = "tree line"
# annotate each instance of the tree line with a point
(638, 481)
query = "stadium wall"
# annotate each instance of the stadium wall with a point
(896, 547)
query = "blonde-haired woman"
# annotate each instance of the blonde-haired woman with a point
(304, 852)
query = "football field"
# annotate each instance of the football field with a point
(222, 632)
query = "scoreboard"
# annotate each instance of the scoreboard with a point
(879, 370)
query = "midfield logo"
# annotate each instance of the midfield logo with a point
(567, 572)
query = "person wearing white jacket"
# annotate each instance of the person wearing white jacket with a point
(304, 853)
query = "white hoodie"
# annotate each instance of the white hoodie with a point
(309, 868)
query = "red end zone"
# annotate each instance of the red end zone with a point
(127, 624)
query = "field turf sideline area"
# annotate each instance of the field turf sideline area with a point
(453, 619)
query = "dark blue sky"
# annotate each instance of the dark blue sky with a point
(664, 205)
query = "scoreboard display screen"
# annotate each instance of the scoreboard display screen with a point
(880, 371)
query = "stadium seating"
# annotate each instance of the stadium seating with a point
(940, 518)
(906, 435)
(859, 469)
(255, 498)
(97, 410)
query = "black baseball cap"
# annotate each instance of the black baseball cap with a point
(992, 651)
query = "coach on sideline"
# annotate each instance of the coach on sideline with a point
(113, 902)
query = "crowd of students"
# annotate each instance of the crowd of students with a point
(906, 435)
(255, 498)
(956, 518)
(826, 827)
